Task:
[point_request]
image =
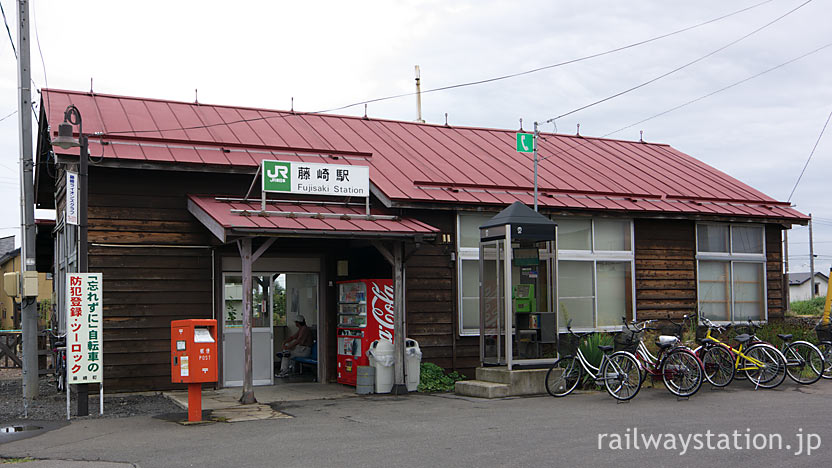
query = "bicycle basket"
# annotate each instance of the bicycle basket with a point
(627, 340)
(824, 332)
(568, 344)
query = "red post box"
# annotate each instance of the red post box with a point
(193, 351)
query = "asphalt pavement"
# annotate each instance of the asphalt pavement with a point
(736, 426)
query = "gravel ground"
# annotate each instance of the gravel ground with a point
(51, 406)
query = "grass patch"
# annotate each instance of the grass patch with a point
(4, 461)
(812, 307)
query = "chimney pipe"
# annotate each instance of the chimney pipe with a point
(418, 97)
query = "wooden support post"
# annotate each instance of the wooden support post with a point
(399, 384)
(396, 259)
(248, 386)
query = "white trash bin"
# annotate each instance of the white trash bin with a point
(382, 357)
(413, 360)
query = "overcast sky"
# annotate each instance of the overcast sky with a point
(327, 54)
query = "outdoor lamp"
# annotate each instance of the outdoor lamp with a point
(64, 138)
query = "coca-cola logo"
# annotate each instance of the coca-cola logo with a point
(383, 316)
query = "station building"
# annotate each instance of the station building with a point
(644, 230)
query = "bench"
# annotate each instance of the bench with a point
(311, 360)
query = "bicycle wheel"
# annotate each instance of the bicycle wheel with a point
(682, 373)
(804, 362)
(826, 349)
(772, 370)
(622, 376)
(719, 366)
(563, 377)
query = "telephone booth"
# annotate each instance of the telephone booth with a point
(518, 293)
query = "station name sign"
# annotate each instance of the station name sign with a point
(316, 179)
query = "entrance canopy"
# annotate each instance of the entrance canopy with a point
(229, 218)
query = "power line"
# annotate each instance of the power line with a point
(810, 156)
(682, 67)
(548, 67)
(42, 61)
(11, 114)
(692, 101)
(9, 31)
(465, 84)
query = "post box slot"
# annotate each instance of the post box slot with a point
(202, 335)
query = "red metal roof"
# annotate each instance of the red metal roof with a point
(413, 162)
(228, 217)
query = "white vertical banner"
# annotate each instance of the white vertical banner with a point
(71, 198)
(84, 339)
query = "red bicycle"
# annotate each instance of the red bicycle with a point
(676, 365)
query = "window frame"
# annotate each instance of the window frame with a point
(731, 257)
(606, 256)
(465, 254)
(593, 255)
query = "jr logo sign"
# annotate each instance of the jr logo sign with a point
(277, 176)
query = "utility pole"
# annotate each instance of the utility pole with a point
(811, 259)
(788, 304)
(534, 150)
(28, 305)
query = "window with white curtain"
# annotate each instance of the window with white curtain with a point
(595, 272)
(731, 263)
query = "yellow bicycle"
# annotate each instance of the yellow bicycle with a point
(762, 363)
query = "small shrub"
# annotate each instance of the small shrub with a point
(432, 378)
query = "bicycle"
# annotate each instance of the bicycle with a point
(761, 362)
(805, 363)
(678, 367)
(59, 359)
(618, 372)
(824, 333)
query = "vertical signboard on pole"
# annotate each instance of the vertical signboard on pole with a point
(71, 198)
(84, 339)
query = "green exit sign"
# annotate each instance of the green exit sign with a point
(525, 142)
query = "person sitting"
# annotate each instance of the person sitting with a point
(297, 345)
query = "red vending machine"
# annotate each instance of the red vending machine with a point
(365, 314)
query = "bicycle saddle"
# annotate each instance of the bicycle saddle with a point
(784, 337)
(666, 341)
(706, 341)
(605, 349)
(743, 338)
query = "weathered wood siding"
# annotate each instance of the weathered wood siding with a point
(432, 310)
(666, 268)
(774, 271)
(665, 255)
(147, 287)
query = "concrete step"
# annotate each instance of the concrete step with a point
(520, 382)
(480, 389)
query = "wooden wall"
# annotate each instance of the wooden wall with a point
(147, 287)
(774, 273)
(666, 268)
(432, 310)
(665, 255)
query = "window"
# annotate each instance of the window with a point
(731, 271)
(468, 270)
(595, 272)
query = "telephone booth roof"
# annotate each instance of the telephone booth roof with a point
(526, 225)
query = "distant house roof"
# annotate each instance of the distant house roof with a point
(9, 256)
(414, 162)
(802, 277)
